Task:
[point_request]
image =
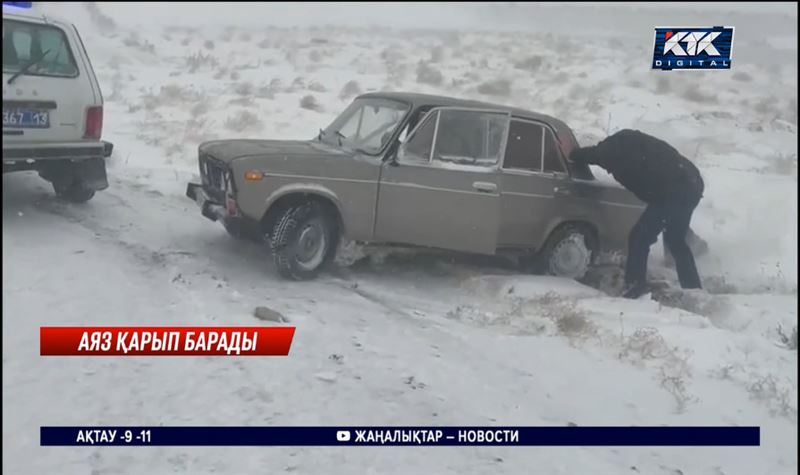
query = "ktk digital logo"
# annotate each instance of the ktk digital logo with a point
(693, 48)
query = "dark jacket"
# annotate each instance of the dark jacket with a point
(649, 167)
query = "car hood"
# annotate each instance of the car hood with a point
(229, 150)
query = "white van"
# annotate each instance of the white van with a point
(52, 105)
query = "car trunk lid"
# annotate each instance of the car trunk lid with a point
(51, 101)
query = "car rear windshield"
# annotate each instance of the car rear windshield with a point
(46, 45)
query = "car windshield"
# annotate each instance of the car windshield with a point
(36, 49)
(366, 125)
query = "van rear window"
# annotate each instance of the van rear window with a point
(42, 50)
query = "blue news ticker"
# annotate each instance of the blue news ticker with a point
(354, 436)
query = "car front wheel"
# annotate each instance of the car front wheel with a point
(568, 252)
(303, 241)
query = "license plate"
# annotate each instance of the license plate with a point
(26, 118)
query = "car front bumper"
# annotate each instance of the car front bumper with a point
(209, 208)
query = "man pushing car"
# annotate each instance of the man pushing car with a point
(668, 183)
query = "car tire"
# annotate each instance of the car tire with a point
(568, 252)
(303, 241)
(75, 192)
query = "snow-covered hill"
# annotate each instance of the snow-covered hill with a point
(410, 339)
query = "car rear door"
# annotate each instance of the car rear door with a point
(49, 102)
(535, 185)
(443, 190)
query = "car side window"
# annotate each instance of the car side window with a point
(470, 137)
(524, 148)
(552, 159)
(418, 147)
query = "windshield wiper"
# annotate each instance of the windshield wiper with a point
(27, 67)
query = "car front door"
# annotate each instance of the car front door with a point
(443, 189)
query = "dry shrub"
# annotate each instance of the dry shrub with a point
(496, 87)
(317, 87)
(531, 63)
(315, 56)
(694, 94)
(198, 61)
(243, 120)
(244, 88)
(647, 344)
(350, 89)
(437, 54)
(221, 73)
(310, 102)
(777, 397)
(427, 74)
(570, 319)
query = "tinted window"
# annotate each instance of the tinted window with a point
(470, 137)
(524, 148)
(25, 42)
(552, 159)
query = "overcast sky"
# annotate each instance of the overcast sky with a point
(432, 14)
(755, 22)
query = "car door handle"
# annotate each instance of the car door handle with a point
(562, 191)
(484, 186)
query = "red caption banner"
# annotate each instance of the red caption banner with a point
(165, 341)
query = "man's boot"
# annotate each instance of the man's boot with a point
(634, 290)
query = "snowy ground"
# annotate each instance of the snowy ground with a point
(413, 339)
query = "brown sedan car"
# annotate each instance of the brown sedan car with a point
(417, 170)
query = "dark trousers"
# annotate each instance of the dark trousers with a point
(672, 218)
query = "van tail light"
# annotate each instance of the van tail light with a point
(94, 123)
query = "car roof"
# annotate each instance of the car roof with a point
(11, 12)
(421, 100)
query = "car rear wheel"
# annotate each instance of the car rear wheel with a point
(303, 240)
(568, 252)
(74, 192)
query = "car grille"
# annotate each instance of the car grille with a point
(214, 175)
